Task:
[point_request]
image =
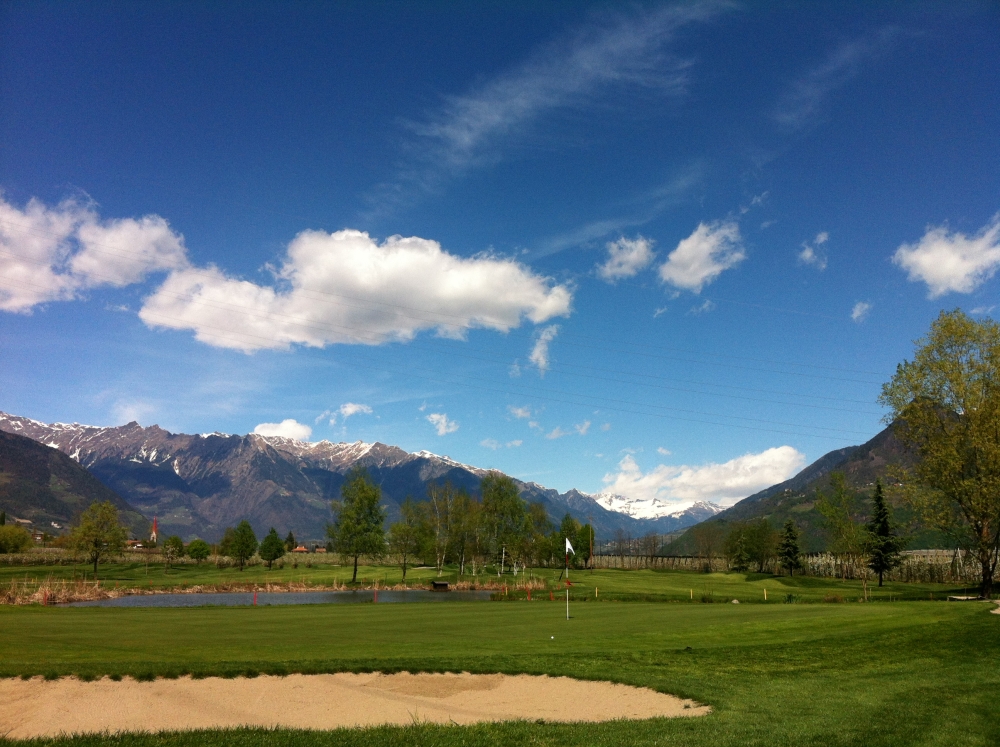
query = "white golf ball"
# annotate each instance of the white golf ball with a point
(552, 637)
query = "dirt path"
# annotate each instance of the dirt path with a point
(35, 708)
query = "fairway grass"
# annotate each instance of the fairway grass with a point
(917, 673)
(601, 584)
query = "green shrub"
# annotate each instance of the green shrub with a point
(14, 539)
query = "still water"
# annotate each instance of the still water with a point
(233, 599)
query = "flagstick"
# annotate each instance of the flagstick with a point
(569, 549)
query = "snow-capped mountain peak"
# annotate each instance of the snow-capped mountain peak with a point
(652, 508)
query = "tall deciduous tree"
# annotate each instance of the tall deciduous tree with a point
(173, 548)
(240, 543)
(945, 404)
(883, 544)
(358, 528)
(271, 548)
(584, 544)
(99, 533)
(789, 554)
(404, 535)
(198, 550)
(438, 521)
(761, 543)
(840, 515)
(503, 514)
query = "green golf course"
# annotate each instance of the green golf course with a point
(876, 673)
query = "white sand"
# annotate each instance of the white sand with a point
(36, 708)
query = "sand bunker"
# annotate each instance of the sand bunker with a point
(36, 708)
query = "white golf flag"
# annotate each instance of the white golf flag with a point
(569, 547)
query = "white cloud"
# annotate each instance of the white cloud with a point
(665, 452)
(724, 483)
(521, 413)
(982, 309)
(441, 423)
(703, 256)
(127, 411)
(606, 427)
(580, 429)
(55, 253)
(514, 444)
(285, 429)
(346, 288)
(626, 257)
(489, 443)
(811, 255)
(860, 311)
(952, 262)
(345, 411)
(540, 352)
(660, 310)
(534, 425)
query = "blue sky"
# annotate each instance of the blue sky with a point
(668, 250)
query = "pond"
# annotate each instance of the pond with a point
(236, 599)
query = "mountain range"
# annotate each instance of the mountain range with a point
(46, 487)
(197, 485)
(796, 498)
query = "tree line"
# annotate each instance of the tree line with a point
(495, 529)
(755, 546)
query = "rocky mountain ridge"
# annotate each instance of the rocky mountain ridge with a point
(198, 484)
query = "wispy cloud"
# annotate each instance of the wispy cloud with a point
(805, 99)
(860, 311)
(637, 211)
(521, 413)
(344, 412)
(613, 52)
(812, 254)
(540, 352)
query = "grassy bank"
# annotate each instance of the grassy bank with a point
(825, 674)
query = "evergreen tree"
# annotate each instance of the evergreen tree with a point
(271, 548)
(3, 518)
(240, 543)
(358, 527)
(789, 554)
(883, 545)
(736, 549)
(290, 542)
